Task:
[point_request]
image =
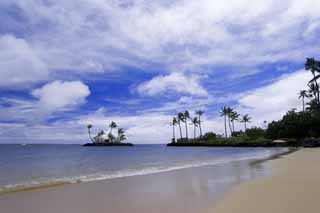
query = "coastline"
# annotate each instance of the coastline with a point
(184, 190)
(294, 186)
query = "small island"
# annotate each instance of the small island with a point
(295, 129)
(108, 139)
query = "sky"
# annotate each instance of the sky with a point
(65, 64)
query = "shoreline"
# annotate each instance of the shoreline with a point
(59, 182)
(292, 187)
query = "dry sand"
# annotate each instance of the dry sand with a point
(294, 187)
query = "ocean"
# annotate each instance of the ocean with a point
(25, 166)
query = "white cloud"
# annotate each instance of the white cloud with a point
(273, 101)
(176, 82)
(54, 97)
(180, 35)
(19, 63)
(61, 95)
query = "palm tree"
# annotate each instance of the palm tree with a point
(245, 119)
(224, 112)
(234, 116)
(314, 66)
(313, 90)
(199, 113)
(112, 126)
(229, 113)
(186, 115)
(195, 122)
(303, 94)
(180, 119)
(89, 126)
(174, 122)
(121, 135)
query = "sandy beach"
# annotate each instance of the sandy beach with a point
(294, 187)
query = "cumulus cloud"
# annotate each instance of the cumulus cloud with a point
(19, 63)
(54, 97)
(176, 82)
(61, 95)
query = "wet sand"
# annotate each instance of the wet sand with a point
(186, 190)
(294, 187)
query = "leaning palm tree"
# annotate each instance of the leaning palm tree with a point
(229, 113)
(245, 119)
(303, 94)
(234, 116)
(195, 122)
(180, 119)
(199, 113)
(313, 90)
(314, 66)
(224, 113)
(186, 117)
(89, 126)
(112, 125)
(173, 124)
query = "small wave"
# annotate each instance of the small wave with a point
(120, 174)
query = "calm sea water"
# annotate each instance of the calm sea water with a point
(33, 165)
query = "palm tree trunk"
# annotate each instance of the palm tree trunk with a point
(230, 125)
(245, 126)
(186, 129)
(180, 130)
(173, 133)
(225, 126)
(303, 103)
(89, 132)
(200, 127)
(194, 132)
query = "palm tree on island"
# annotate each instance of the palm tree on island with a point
(195, 122)
(186, 116)
(303, 94)
(173, 124)
(245, 119)
(89, 126)
(112, 125)
(108, 139)
(224, 113)
(234, 116)
(199, 113)
(180, 119)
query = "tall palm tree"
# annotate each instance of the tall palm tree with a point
(195, 122)
(121, 135)
(112, 125)
(174, 122)
(89, 126)
(234, 116)
(245, 119)
(229, 113)
(186, 115)
(303, 94)
(199, 113)
(314, 66)
(224, 113)
(180, 119)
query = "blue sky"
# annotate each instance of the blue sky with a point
(65, 64)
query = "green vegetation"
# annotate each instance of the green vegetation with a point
(103, 138)
(293, 129)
